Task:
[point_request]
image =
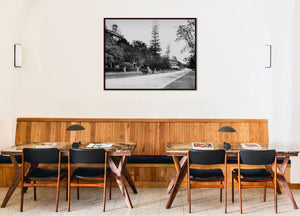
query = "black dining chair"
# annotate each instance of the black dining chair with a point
(255, 157)
(88, 174)
(36, 156)
(197, 176)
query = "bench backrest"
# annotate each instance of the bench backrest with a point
(151, 135)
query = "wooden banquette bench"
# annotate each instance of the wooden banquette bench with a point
(149, 165)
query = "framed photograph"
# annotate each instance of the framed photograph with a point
(150, 53)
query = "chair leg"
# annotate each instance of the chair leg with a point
(225, 196)
(67, 191)
(110, 187)
(265, 192)
(57, 195)
(275, 196)
(232, 188)
(34, 191)
(240, 197)
(22, 198)
(189, 198)
(78, 190)
(221, 193)
(104, 196)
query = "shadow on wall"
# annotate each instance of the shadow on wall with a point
(295, 89)
(295, 135)
(22, 18)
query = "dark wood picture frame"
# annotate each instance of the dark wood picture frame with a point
(186, 76)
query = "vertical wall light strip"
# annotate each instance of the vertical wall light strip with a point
(269, 46)
(18, 55)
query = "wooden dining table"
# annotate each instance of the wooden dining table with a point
(179, 152)
(118, 154)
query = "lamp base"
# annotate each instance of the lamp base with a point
(226, 146)
(75, 144)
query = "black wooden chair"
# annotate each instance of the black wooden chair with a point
(36, 156)
(207, 157)
(88, 174)
(255, 157)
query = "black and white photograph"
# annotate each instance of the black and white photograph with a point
(150, 53)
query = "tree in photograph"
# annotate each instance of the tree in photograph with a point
(127, 50)
(187, 34)
(140, 52)
(165, 63)
(168, 51)
(192, 62)
(154, 42)
(114, 54)
(139, 46)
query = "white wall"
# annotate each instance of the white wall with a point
(63, 61)
(295, 90)
(62, 73)
(8, 16)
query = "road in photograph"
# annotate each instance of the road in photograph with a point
(150, 81)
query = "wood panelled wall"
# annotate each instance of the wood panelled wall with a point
(151, 135)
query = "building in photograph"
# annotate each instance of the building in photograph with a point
(174, 64)
(114, 32)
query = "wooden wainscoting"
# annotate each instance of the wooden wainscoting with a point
(151, 136)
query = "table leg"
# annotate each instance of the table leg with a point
(282, 180)
(129, 179)
(16, 180)
(117, 165)
(181, 169)
(271, 170)
(172, 182)
(283, 183)
(126, 174)
(32, 166)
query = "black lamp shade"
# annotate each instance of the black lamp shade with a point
(227, 129)
(75, 128)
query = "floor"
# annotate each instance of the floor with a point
(148, 201)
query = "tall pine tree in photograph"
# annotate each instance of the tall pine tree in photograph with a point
(154, 42)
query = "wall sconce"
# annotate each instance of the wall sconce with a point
(18, 55)
(269, 47)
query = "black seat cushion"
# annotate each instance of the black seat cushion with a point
(150, 159)
(44, 173)
(254, 174)
(145, 159)
(6, 159)
(89, 172)
(206, 174)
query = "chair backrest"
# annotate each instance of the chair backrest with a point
(257, 157)
(37, 155)
(207, 157)
(87, 156)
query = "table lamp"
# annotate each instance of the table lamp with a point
(75, 128)
(227, 129)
